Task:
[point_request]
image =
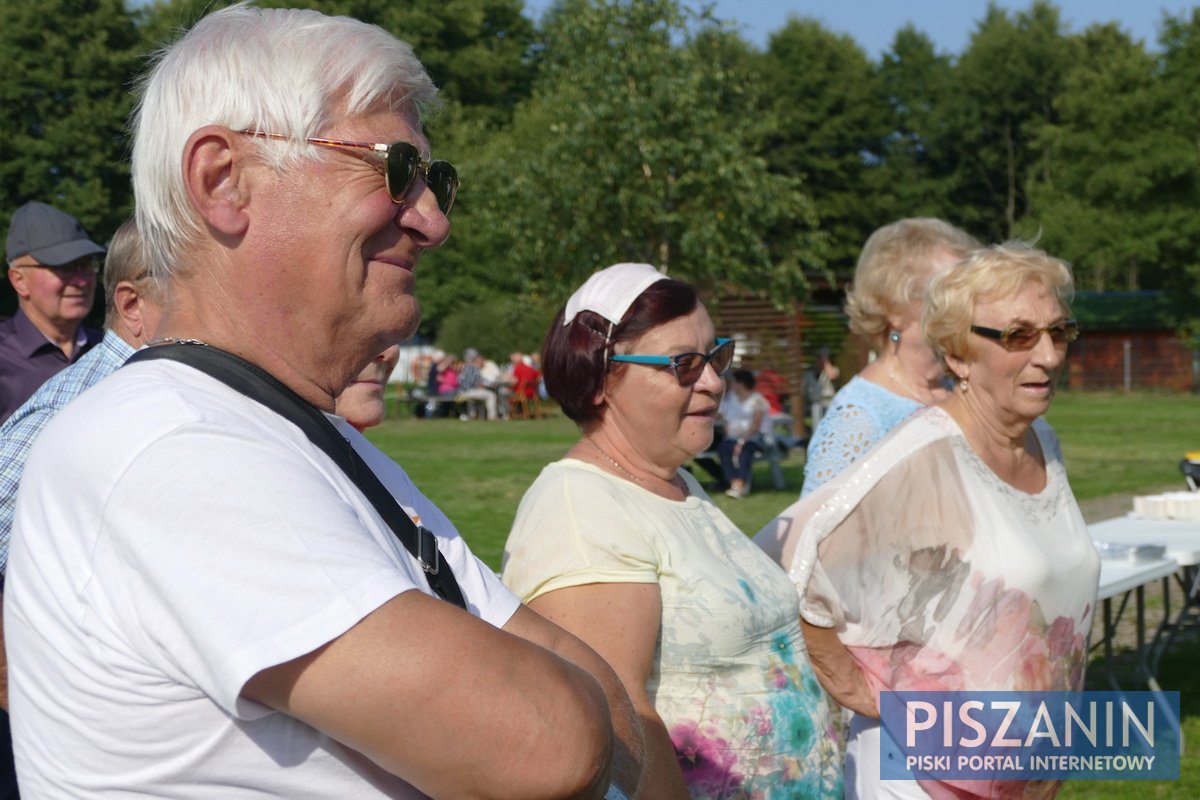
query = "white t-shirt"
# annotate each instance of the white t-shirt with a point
(739, 416)
(172, 539)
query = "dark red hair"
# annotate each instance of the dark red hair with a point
(574, 357)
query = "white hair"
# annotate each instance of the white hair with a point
(287, 71)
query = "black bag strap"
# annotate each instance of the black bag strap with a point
(259, 385)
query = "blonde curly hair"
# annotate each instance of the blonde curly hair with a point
(990, 272)
(891, 269)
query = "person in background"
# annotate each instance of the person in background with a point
(771, 385)
(52, 268)
(473, 385)
(953, 556)
(884, 306)
(432, 377)
(447, 376)
(361, 403)
(819, 386)
(202, 602)
(747, 418)
(520, 381)
(622, 547)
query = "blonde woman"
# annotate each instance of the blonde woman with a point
(884, 306)
(953, 556)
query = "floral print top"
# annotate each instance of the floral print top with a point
(730, 678)
(938, 575)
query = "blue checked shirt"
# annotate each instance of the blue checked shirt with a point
(22, 428)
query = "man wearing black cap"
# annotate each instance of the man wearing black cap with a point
(52, 266)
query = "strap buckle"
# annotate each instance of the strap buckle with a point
(427, 553)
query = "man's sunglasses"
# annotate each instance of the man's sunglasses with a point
(688, 367)
(1026, 337)
(402, 163)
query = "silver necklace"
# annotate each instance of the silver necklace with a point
(904, 387)
(672, 483)
(613, 461)
(174, 340)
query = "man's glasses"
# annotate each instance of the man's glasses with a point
(402, 163)
(1026, 337)
(688, 367)
(86, 267)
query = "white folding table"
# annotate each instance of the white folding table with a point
(1182, 543)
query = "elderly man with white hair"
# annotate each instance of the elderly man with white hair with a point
(217, 603)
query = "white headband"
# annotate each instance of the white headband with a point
(611, 291)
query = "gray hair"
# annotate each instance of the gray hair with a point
(287, 71)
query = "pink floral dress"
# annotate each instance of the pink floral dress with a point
(938, 575)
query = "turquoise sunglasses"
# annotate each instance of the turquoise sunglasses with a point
(688, 367)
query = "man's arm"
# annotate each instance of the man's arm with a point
(622, 622)
(629, 753)
(451, 704)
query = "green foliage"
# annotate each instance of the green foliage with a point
(63, 106)
(825, 107)
(1110, 198)
(918, 169)
(622, 155)
(648, 130)
(1004, 93)
(497, 327)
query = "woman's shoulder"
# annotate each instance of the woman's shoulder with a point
(573, 476)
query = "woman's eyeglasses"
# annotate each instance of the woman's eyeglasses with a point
(1026, 337)
(688, 367)
(402, 163)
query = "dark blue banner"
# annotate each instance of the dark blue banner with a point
(1029, 735)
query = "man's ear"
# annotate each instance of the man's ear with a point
(214, 176)
(16, 276)
(126, 305)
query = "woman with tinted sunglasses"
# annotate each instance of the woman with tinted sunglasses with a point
(621, 546)
(953, 556)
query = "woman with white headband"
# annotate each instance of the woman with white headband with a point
(620, 546)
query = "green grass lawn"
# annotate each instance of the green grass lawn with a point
(1113, 443)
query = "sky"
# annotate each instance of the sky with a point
(949, 23)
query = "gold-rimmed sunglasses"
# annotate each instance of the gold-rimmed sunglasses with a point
(402, 163)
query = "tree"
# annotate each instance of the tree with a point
(828, 123)
(1116, 181)
(64, 102)
(621, 154)
(1180, 70)
(917, 176)
(1004, 91)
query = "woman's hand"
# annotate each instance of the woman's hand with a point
(838, 672)
(621, 622)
